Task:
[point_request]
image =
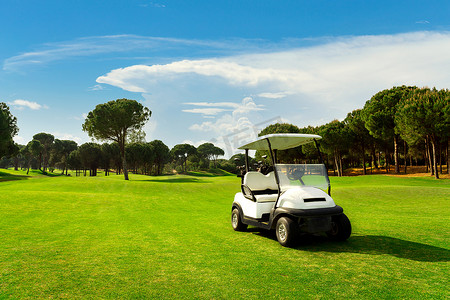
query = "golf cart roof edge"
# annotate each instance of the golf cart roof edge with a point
(281, 141)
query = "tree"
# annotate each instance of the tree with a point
(35, 148)
(46, 140)
(379, 114)
(74, 161)
(115, 121)
(335, 142)
(210, 152)
(425, 114)
(90, 156)
(107, 156)
(135, 155)
(8, 129)
(162, 155)
(181, 152)
(356, 124)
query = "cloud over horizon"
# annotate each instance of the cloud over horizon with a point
(21, 104)
(343, 66)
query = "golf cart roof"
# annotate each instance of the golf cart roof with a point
(281, 141)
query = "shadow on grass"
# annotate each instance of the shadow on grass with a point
(368, 244)
(9, 177)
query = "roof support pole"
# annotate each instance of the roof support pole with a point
(246, 160)
(321, 161)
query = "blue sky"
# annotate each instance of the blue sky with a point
(213, 70)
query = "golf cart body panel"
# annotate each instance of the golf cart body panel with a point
(291, 198)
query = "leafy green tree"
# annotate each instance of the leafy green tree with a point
(162, 155)
(135, 155)
(115, 121)
(107, 156)
(8, 129)
(90, 156)
(210, 152)
(35, 147)
(181, 152)
(74, 161)
(336, 142)
(379, 115)
(355, 122)
(46, 140)
(425, 114)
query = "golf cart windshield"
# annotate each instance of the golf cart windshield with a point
(295, 175)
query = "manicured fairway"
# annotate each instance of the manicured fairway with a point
(170, 237)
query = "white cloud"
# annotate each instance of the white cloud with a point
(124, 43)
(205, 111)
(21, 104)
(277, 95)
(97, 87)
(343, 68)
(68, 136)
(247, 105)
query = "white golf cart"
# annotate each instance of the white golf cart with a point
(289, 198)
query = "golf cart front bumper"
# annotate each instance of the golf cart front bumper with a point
(311, 220)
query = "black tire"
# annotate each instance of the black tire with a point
(287, 232)
(236, 221)
(341, 229)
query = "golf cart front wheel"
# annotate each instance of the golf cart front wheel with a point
(236, 222)
(341, 229)
(286, 231)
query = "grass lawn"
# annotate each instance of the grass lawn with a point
(170, 237)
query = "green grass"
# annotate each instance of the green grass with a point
(170, 237)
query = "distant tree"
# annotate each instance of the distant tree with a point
(35, 148)
(8, 129)
(210, 152)
(425, 114)
(336, 141)
(90, 156)
(135, 155)
(162, 155)
(107, 156)
(181, 152)
(26, 154)
(148, 158)
(361, 135)
(74, 161)
(137, 136)
(115, 121)
(14, 152)
(238, 160)
(379, 115)
(46, 140)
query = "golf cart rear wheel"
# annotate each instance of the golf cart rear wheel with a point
(236, 221)
(341, 229)
(286, 231)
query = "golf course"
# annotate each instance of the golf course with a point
(170, 237)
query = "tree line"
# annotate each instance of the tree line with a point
(397, 127)
(46, 153)
(401, 126)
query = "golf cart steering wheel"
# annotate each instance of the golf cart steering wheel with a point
(296, 175)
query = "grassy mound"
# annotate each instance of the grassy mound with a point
(170, 237)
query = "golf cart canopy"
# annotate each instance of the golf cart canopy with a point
(280, 141)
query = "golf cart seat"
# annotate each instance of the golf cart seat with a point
(263, 188)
